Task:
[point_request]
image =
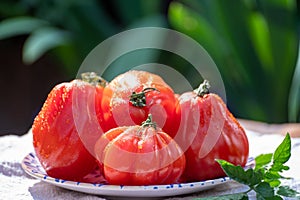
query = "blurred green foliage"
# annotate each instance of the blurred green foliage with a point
(253, 42)
(72, 28)
(294, 97)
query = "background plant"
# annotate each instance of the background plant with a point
(73, 28)
(254, 44)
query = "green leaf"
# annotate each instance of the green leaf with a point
(238, 196)
(263, 160)
(237, 173)
(274, 183)
(272, 177)
(264, 180)
(260, 36)
(41, 41)
(286, 191)
(294, 97)
(276, 197)
(264, 190)
(279, 167)
(194, 25)
(282, 154)
(19, 25)
(254, 177)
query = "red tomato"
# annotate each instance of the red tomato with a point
(208, 131)
(139, 155)
(62, 130)
(130, 97)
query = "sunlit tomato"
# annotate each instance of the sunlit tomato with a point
(131, 96)
(68, 123)
(208, 131)
(139, 155)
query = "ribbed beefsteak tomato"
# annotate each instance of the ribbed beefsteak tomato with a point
(68, 123)
(131, 96)
(139, 155)
(208, 131)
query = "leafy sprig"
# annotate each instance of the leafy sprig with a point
(265, 178)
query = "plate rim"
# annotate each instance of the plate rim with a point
(123, 190)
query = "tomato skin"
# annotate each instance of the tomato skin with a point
(135, 155)
(56, 140)
(208, 131)
(161, 103)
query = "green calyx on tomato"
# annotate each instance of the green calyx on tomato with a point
(139, 99)
(149, 122)
(93, 79)
(203, 89)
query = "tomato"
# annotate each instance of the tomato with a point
(139, 155)
(68, 123)
(208, 131)
(131, 96)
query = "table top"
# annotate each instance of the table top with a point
(16, 184)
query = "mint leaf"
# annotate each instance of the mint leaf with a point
(283, 152)
(263, 160)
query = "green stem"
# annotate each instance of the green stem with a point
(148, 122)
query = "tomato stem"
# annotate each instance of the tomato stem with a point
(203, 89)
(93, 78)
(149, 122)
(139, 99)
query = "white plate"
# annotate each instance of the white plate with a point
(32, 166)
